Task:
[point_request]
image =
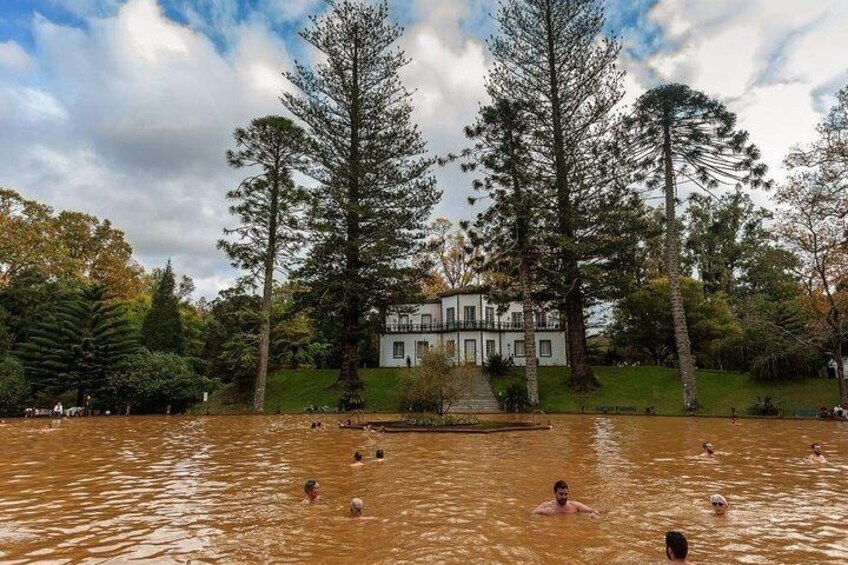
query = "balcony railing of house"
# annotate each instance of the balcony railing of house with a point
(467, 325)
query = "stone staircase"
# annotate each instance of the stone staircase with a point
(480, 398)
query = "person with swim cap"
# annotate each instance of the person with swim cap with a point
(719, 504)
(312, 490)
(561, 505)
(356, 507)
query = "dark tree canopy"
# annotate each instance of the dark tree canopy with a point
(375, 191)
(162, 328)
(77, 348)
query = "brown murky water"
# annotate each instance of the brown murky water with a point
(229, 490)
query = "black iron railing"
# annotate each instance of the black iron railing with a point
(466, 325)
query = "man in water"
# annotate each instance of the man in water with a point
(817, 456)
(380, 455)
(312, 490)
(709, 450)
(357, 460)
(719, 504)
(356, 506)
(676, 547)
(561, 505)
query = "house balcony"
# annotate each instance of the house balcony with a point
(484, 325)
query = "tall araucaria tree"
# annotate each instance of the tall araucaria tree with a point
(162, 328)
(553, 55)
(269, 207)
(681, 134)
(375, 190)
(505, 229)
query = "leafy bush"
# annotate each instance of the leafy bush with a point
(14, 390)
(764, 407)
(794, 364)
(152, 381)
(436, 384)
(496, 366)
(433, 421)
(515, 398)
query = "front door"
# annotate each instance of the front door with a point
(471, 351)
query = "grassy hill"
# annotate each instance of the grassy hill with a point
(291, 391)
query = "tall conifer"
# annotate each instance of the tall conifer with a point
(162, 328)
(375, 191)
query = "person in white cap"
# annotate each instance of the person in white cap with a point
(719, 504)
(356, 506)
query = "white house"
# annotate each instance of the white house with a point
(467, 323)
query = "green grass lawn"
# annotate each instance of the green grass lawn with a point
(660, 387)
(291, 391)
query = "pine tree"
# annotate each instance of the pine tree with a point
(375, 191)
(269, 206)
(552, 54)
(88, 338)
(677, 133)
(504, 229)
(162, 328)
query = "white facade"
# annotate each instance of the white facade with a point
(471, 326)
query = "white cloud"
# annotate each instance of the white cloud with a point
(14, 58)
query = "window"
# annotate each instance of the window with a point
(450, 315)
(490, 315)
(490, 348)
(545, 348)
(469, 313)
(519, 348)
(541, 319)
(517, 320)
(450, 346)
(421, 348)
(403, 320)
(397, 350)
(426, 321)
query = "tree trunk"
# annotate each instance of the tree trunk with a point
(582, 377)
(349, 380)
(267, 292)
(672, 258)
(840, 371)
(531, 373)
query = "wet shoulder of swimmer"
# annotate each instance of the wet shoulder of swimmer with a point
(816, 455)
(562, 505)
(708, 450)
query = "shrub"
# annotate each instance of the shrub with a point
(764, 407)
(793, 364)
(14, 390)
(437, 383)
(496, 366)
(515, 398)
(434, 421)
(152, 381)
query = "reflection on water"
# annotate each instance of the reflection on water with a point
(229, 489)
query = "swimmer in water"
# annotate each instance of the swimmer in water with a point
(561, 505)
(357, 460)
(719, 504)
(356, 507)
(380, 455)
(676, 547)
(313, 492)
(817, 456)
(709, 450)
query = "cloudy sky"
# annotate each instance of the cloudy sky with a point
(124, 108)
